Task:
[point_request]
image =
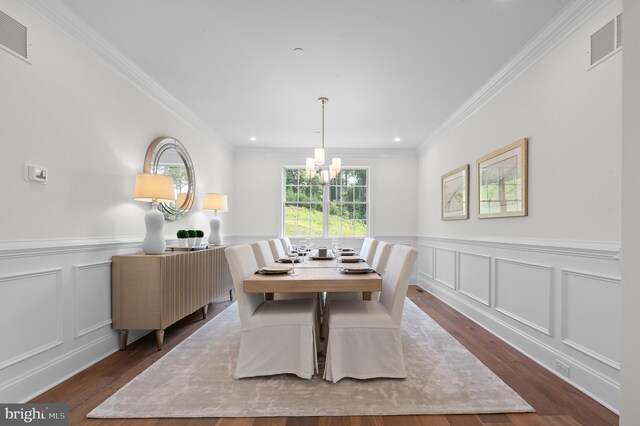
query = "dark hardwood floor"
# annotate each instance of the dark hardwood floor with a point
(555, 402)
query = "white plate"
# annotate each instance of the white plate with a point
(363, 267)
(351, 259)
(275, 269)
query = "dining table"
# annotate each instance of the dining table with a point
(314, 276)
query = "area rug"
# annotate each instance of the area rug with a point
(195, 379)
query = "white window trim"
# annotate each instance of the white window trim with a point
(325, 202)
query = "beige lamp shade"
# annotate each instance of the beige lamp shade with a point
(153, 188)
(217, 202)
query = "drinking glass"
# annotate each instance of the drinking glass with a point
(292, 256)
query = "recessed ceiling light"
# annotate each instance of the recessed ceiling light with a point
(396, 139)
(298, 51)
(252, 139)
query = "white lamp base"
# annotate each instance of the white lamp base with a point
(215, 236)
(154, 239)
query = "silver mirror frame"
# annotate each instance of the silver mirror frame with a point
(151, 164)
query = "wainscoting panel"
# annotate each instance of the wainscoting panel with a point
(591, 317)
(523, 292)
(37, 297)
(556, 301)
(445, 267)
(474, 276)
(92, 297)
(55, 311)
(425, 261)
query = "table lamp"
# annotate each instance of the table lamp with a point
(215, 202)
(154, 189)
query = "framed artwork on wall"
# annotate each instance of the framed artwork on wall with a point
(454, 190)
(502, 182)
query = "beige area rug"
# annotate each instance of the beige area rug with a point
(195, 379)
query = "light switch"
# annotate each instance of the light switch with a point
(35, 174)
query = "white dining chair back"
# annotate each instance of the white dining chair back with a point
(379, 263)
(262, 252)
(395, 280)
(277, 249)
(364, 250)
(286, 243)
(381, 257)
(373, 246)
(242, 264)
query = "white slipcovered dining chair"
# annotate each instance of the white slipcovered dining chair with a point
(364, 336)
(379, 262)
(286, 243)
(262, 253)
(371, 252)
(277, 249)
(277, 336)
(264, 257)
(364, 250)
(369, 248)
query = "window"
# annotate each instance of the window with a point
(338, 210)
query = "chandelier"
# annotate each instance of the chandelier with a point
(315, 165)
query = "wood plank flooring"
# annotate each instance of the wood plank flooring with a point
(555, 401)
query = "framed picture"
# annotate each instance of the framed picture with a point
(455, 199)
(502, 182)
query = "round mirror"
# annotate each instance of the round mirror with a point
(167, 156)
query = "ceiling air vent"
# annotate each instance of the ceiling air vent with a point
(606, 41)
(13, 35)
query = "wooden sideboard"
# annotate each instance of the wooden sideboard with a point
(155, 291)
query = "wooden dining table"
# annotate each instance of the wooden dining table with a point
(315, 276)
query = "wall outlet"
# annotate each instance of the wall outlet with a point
(35, 174)
(563, 368)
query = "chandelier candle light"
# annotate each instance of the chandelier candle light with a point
(316, 164)
(215, 202)
(153, 188)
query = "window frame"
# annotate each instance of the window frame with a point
(325, 203)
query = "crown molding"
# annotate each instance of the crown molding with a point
(572, 17)
(70, 23)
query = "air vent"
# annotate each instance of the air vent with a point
(619, 31)
(13, 35)
(606, 41)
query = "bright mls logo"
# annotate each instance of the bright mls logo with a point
(35, 414)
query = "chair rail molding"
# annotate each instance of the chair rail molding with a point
(605, 250)
(27, 248)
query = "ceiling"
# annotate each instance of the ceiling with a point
(391, 69)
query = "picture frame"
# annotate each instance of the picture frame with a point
(454, 190)
(502, 182)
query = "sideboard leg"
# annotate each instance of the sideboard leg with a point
(159, 338)
(204, 311)
(123, 339)
(231, 295)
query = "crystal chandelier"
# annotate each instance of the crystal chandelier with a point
(316, 165)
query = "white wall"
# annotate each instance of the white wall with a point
(70, 112)
(548, 283)
(630, 386)
(572, 119)
(258, 189)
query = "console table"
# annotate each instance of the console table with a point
(155, 291)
